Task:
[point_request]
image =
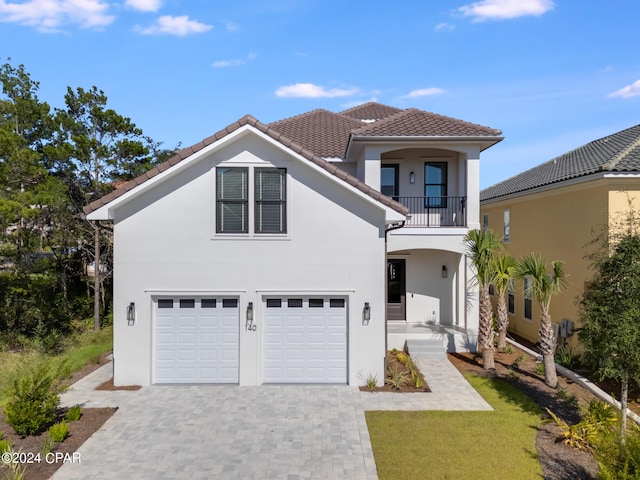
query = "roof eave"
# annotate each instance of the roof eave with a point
(484, 140)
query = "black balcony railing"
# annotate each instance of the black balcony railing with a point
(435, 211)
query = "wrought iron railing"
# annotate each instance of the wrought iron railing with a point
(435, 211)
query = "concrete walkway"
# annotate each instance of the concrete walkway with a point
(230, 432)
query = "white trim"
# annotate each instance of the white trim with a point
(265, 291)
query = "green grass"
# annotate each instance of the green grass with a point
(80, 350)
(454, 445)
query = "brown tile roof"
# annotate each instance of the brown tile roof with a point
(323, 132)
(619, 152)
(418, 123)
(271, 132)
(370, 111)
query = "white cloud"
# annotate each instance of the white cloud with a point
(444, 26)
(309, 90)
(178, 26)
(231, 26)
(144, 5)
(234, 63)
(51, 15)
(629, 91)
(424, 92)
(505, 9)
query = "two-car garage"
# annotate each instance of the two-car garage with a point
(302, 339)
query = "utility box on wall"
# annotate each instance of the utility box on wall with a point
(566, 328)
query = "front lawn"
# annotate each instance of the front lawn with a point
(454, 445)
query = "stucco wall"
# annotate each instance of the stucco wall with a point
(166, 243)
(558, 225)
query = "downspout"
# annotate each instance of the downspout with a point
(393, 226)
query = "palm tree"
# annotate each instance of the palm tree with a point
(504, 271)
(483, 246)
(544, 285)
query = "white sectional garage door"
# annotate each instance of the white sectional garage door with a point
(305, 340)
(196, 340)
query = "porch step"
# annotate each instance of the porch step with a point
(428, 347)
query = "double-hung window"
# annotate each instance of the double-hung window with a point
(506, 225)
(234, 198)
(271, 200)
(435, 184)
(528, 298)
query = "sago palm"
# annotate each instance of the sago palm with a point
(483, 246)
(544, 285)
(504, 272)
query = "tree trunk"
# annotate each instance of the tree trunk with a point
(96, 277)
(548, 350)
(503, 321)
(485, 329)
(624, 397)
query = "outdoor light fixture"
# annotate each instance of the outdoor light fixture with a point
(412, 177)
(131, 314)
(248, 324)
(366, 314)
(444, 271)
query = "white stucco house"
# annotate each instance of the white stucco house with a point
(296, 251)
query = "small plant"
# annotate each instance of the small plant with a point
(16, 469)
(59, 431)
(74, 413)
(33, 401)
(397, 377)
(540, 369)
(5, 444)
(508, 349)
(567, 396)
(580, 436)
(568, 357)
(47, 444)
(515, 365)
(416, 376)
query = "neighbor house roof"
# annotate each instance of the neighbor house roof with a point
(319, 135)
(619, 152)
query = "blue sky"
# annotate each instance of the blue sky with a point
(551, 74)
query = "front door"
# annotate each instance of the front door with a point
(396, 289)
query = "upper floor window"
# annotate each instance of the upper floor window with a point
(485, 222)
(232, 212)
(271, 200)
(232, 200)
(506, 225)
(435, 184)
(389, 180)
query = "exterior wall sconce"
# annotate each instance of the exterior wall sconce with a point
(412, 177)
(366, 314)
(131, 314)
(249, 326)
(445, 272)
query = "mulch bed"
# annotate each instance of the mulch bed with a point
(395, 364)
(79, 431)
(559, 461)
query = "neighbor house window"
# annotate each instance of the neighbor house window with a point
(511, 297)
(485, 222)
(232, 200)
(435, 184)
(271, 200)
(506, 225)
(528, 298)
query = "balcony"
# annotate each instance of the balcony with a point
(435, 211)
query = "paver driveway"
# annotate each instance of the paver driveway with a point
(230, 432)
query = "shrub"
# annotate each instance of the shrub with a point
(397, 377)
(34, 399)
(540, 369)
(46, 446)
(568, 357)
(59, 431)
(617, 459)
(5, 444)
(75, 412)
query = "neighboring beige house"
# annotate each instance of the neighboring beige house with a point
(297, 251)
(554, 209)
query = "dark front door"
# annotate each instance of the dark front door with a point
(396, 289)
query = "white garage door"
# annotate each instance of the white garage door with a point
(305, 340)
(196, 340)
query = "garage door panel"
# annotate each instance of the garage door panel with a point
(305, 341)
(197, 341)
